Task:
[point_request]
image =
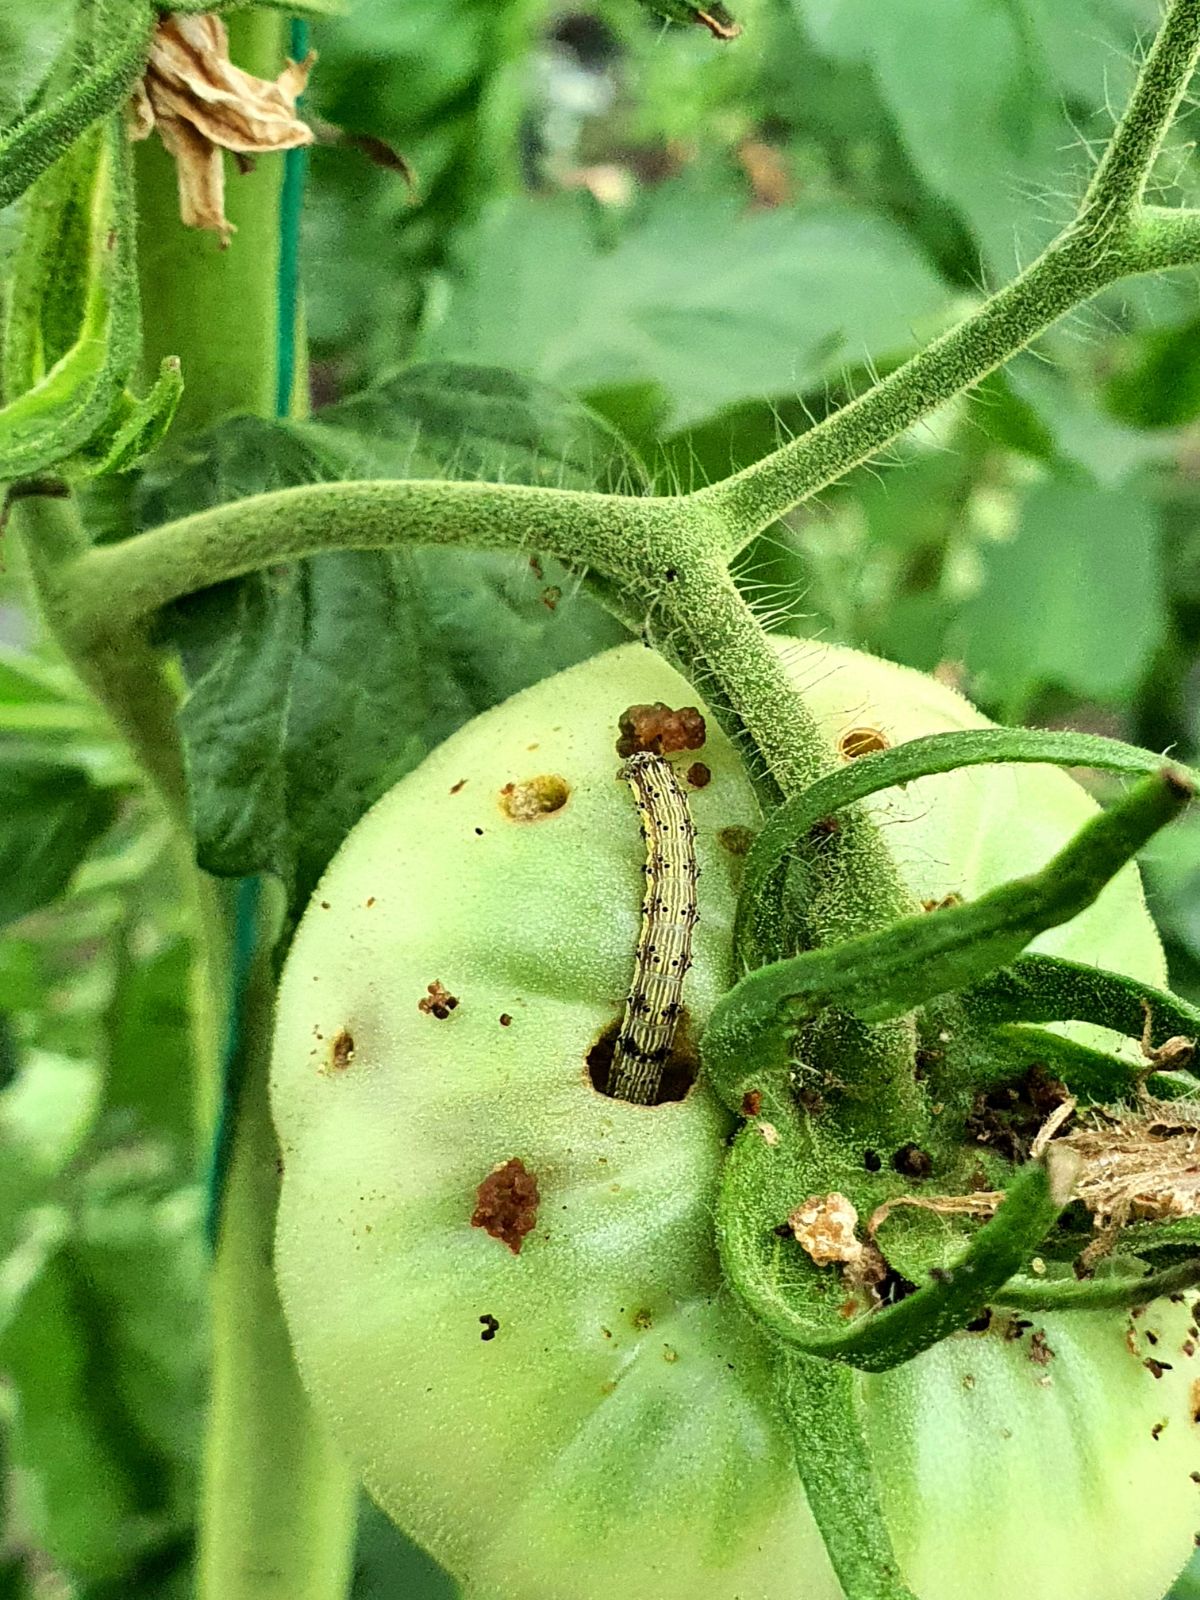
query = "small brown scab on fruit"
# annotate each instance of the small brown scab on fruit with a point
(535, 798)
(1156, 1368)
(698, 775)
(506, 1203)
(656, 729)
(736, 839)
(457, 788)
(505, 1020)
(752, 1102)
(1039, 1351)
(437, 1001)
(341, 1051)
(1194, 1400)
(864, 741)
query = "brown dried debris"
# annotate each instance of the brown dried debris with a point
(437, 1001)
(825, 1226)
(506, 1203)
(201, 105)
(659, 730)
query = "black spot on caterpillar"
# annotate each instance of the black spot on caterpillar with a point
(664, 949)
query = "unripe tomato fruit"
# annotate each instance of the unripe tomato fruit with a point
(592, 1416)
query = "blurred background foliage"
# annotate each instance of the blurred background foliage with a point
(709, 246)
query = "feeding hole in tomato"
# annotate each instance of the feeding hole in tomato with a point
(341, 1050)
(857, 742)
(679, 1071)
(535, 797)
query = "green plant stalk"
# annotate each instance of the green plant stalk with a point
(277, 1508)
(215, 308)
(278, 1505)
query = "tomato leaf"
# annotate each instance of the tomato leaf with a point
(1074, 600)
(712, 305)
(316, 686)
(53, 814)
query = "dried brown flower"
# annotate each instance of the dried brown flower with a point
(201, 105)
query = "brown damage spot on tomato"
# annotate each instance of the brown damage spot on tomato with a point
(659, 730)
(864, 741)
(506, 1203)
(535, 798)
(341, 1050)
(457, 788)
(752, 1102)
(736, 839)
(505, 1020)
(437, 1001)
(698, 775)
(1194, 1400)
(678, 1074)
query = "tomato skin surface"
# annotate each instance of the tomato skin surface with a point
(593, 1416)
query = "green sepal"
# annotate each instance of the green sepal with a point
(885, 974)
(1096, 1078)
(74, 335)
(39, 138)
(783, 835)
(820, 1402)
(781, 1291)
(1116, 1291)
(138, 424)
(1037, 988)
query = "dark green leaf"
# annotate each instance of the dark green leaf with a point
(316, 686)
(1074, 600)
(713, 305)
(53, 814)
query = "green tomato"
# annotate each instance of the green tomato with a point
(593, 1415)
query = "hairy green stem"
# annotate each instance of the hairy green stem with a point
(1120, 178)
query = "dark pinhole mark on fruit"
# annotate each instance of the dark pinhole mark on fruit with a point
(736, 839)
(506, 1203)
(490, 1327)
(910, 1161)
(872, 1160)
(535, 798)
(437, 1001)
(1156, 1430)
(857, 742)
(341, 1050)
(505, 1020)
(982, 1322)
(698, 775)
(679, 1071)
(659, 730)
(670, 574)
(456, 788)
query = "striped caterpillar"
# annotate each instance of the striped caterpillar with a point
(664, 948)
